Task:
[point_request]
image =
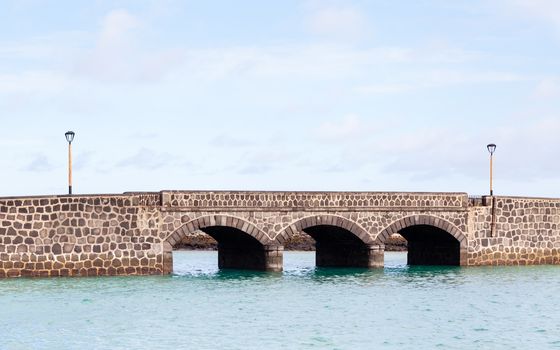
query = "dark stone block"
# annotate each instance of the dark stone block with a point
(56, 249)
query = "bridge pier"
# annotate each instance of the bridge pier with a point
(376, 255)
(263, 258)
(430, 253)
(274, 258)
(349, 255)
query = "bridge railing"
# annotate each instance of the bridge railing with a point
(356, 201)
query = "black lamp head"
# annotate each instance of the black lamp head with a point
(491, 148)
(69, 136)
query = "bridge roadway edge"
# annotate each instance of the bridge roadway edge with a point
(133, 233)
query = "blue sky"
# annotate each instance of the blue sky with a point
(280, 95)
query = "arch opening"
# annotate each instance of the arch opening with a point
(430, 240)
(240, 245)
(237, 249)
(430, 245)
(337, 247)
(338, 242)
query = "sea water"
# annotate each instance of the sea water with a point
(201, 307)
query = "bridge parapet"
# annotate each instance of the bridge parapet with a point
(311, 201)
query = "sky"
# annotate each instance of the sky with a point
(350, 95)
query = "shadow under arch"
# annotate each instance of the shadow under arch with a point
(339, 241)
(241, 245)
(431, 240)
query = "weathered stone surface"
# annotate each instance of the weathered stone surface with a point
(134, 233)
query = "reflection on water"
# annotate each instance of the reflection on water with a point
(301, 265)
(203, 264)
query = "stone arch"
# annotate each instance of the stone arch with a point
(217, 220)
(327, 220)
(245, 247)
(339, 241)
(428, 220)
(431, 240)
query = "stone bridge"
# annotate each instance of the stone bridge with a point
(135, 233)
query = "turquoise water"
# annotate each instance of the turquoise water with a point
(199, 307)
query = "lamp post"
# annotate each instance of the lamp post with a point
(69, 137)
(491, 149)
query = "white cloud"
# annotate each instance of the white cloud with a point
(437, 79)
(227, 141)
(144, 135)
(430, 153)
(49, 82)
(338, 22)
(113, 57)
(128, 63)
(287, 62)
(259, 161)
(346, 129)
(147, 159)
(255, 169)
(527, 151)
(39, 163)
(547, 88)
(387, 88)
(116, 29)
(25, 51)
(451, 77)
(530, 149)
(119, 56)
(83, 160)
(543, 10)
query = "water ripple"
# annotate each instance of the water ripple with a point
(304, 307)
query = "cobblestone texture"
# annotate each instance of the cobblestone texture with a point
(86, 236)
(131, 233)
(521, 231)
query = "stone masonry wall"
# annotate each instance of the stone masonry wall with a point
(274, 212)
(80, 235)
(515, 231)
(133, 233)
(274, 226)
(311, 201)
